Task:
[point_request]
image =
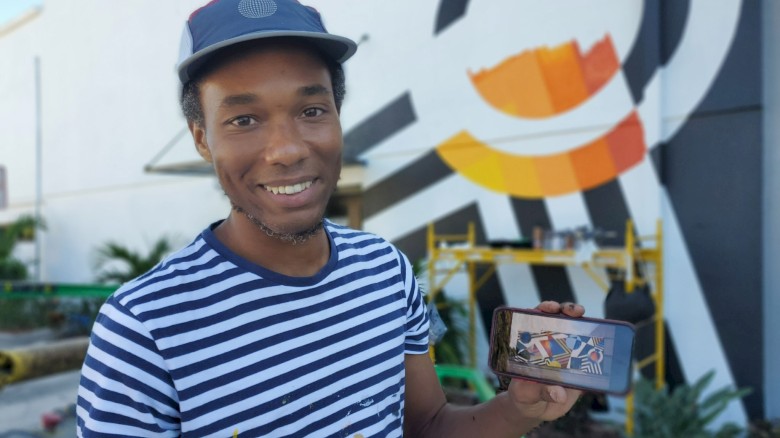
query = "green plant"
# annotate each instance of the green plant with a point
(24, 227)
(116, 263)
(764, 429)
(579, 423)
(18, 314)
(451, 349)
(683, 412)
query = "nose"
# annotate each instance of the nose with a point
(284, 144)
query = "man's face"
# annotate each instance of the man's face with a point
(273, 133)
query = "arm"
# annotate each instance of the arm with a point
(512, 413)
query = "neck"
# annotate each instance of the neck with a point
(296, 255)
(293, 238)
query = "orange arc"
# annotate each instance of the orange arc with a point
(543, 82)
(537, 176)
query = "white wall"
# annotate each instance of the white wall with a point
(109, 105)
(17, 117)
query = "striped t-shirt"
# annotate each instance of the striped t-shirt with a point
(210, 344)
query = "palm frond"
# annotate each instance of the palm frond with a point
(9, 236)
(117, 263)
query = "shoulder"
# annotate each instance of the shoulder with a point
(345, 236)
(352, 243)
(190, 263)
(356, 246)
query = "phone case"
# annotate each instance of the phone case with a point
(536, 312)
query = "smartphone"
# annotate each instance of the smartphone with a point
(584, 353)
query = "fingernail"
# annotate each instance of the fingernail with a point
(553, 396)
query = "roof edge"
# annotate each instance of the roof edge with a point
(16, 23)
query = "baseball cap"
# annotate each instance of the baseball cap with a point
(223, 23)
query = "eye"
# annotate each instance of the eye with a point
(312, 112)
(243, 121)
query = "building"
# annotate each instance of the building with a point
(511, 115)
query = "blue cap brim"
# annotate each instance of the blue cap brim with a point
(336, 47)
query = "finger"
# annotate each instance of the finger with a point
(549, 307)
(572, 309)
(559, 395)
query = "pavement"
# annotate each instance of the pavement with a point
(23, 404)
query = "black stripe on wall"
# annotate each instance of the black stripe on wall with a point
(608, 211)
(449, 12)
(713, 176)
(420, 174)
(674, 15)
(662, 28)
(644, 58)
(392, 118)
(552, 282)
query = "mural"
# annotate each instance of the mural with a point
(521, 115)
(542, 83)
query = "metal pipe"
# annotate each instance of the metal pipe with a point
(38, 167)
(27, 363)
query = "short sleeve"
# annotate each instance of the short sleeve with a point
(124, 389)
(416, 339)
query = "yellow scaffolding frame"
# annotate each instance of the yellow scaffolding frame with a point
(468, 255)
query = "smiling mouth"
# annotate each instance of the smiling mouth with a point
(289, 190)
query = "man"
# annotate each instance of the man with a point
(275, 322)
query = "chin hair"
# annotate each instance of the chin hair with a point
(294, 238)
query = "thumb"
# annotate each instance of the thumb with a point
(554, 394)
(528, 393)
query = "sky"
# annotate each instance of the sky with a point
(10, 9)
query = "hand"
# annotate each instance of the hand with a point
(540, 401)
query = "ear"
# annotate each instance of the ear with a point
(199, 136)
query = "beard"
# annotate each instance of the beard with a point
(293, 238)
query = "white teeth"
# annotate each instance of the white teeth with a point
(289, 190)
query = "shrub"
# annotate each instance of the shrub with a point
(682, 412)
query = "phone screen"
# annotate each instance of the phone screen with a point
(584, 353)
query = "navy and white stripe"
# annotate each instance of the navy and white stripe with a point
(208, 343)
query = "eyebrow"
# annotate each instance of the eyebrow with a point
(247, 98)
(313, 90)
(239, 99)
